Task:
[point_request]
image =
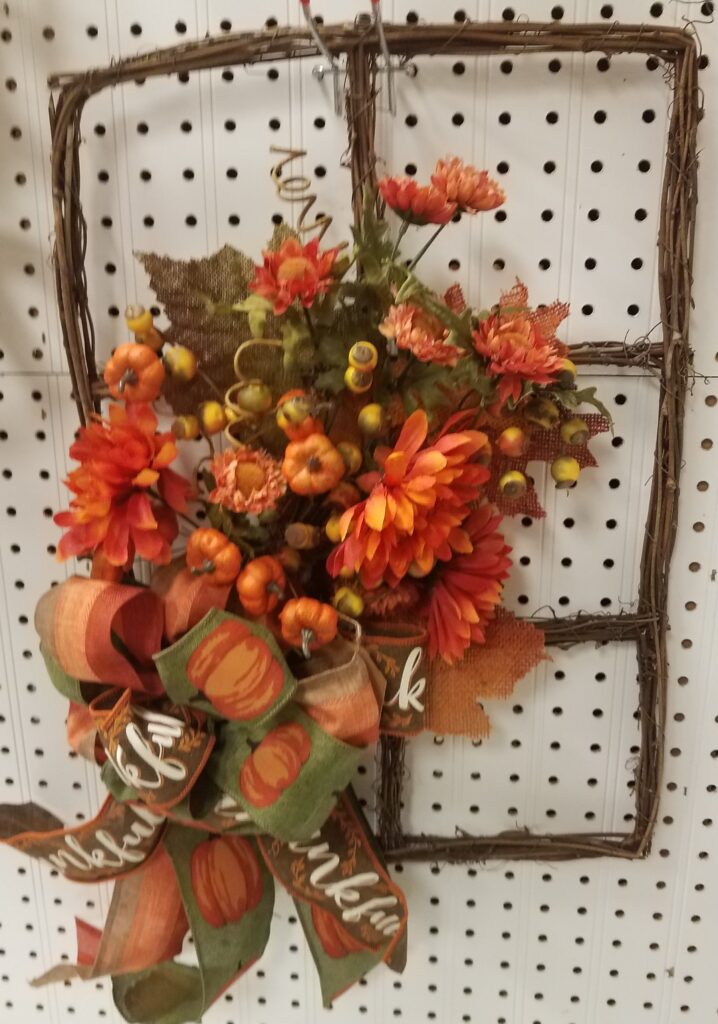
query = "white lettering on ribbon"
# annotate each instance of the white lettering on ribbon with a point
(163, 731)
(227, 807)
(109, 853)
(409, 693)
(346, 891)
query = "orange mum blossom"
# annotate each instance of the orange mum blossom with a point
(120, 459)
(472, 190)
(415, 507)
(246, 480)
(466, 590)
(295, 271)
(520, 343)
(416, 204)
(420, 333)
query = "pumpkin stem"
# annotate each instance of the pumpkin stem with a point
(307, 637)
(205, 567)
(274, 588)
(314, 464)
(128, 377)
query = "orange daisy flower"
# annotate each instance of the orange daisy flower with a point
(472, 190)
(466, 591)
(416, 505)
(246, 480)
(120, 458)
(420, 333)
(295, 271)
(416, 204)
(520, 343)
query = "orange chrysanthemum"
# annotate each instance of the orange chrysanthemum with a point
(120, 458)
(420, 333)
(520, 343)
(295, 271)
(246, 480)
(466, 591)
(416, 204)
(386, 602)
(416, 505)
(472, 190)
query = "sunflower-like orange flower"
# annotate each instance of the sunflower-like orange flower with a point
(466, 591)
(472, 190)
(120, 459)
(246, 480)
(416, 505)
(295, 271)
(520, 343)
(420, 333)
(416, 204)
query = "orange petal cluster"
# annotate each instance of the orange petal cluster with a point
(294, 271)
(416, 506)
(246, 480)
(466, 591)
(472, 190)
(416, 204)
(520, 343)
(120, 459)
(421, 334)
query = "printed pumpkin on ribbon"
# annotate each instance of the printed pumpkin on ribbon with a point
(335, 939)
(274, 764)
(226, 879)
(236, 671)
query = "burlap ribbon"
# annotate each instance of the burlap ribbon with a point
(226, 772)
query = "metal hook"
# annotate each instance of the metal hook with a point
(320, 71)
(379, 25)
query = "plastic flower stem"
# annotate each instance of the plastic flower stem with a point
(400, 234)
(310, 325)
(180, 515)
(425, 247)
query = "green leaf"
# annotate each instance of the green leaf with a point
(587, 396)
(258, 309)
(372, 245)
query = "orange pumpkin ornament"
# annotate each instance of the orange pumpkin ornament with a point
(212, 554)
(236, 671)
(312, 466)
(274, 764)
(226, 879)
(308, 623)
(335, 939)
(261, 584)
(134, 373)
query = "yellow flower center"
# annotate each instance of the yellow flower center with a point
(248, 477)
(294, 267)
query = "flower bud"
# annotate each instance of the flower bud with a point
(513, 484)
(512, 442)
(363, 356)
(575, 431)
(565, 470)
(371, 420)
(357, 381)
(348, 602)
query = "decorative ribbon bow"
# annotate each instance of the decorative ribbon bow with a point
(225, 772)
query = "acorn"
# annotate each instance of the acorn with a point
(212, 417)
(541, 411)
(254, 397)
(567, 373)
(565, 470)
(351, 453)
(180, 362)
(371, 419)
(358, 381)
(512, 442)
(333, 529)
(302, 536)
(513, 484)
(186, 428)
(363, 356)
(575, 431)
(348, 602)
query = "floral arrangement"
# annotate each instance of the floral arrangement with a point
(340, 575)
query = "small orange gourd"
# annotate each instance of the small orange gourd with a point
(134, 373)
(308, 623)
(260, 585)
(212, 554)
(312, 466)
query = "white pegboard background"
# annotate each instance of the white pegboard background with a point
(181, 167)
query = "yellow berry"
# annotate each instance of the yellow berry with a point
(513, 484)
(565, 470)
(139, 320)
(255, 397)
(357, 380)
(575, 431)
(351, 453)
(567, 373)
(541, 411)
(212, 417)
(348, 602)
(231, 415)
(180, 362)
(419, 571)
(294, 411)
(186, 428)
(346, 572)
(371, 419)
(363, 356)
(332, 529)
(512, 442)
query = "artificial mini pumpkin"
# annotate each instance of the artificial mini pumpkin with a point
(212, 554)
(226, 879)
(294, 416)
(261, 584)
(312, 466)
(308, 623)
(134, 373)
(236, 671)
(335, 939)
(274, 764)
